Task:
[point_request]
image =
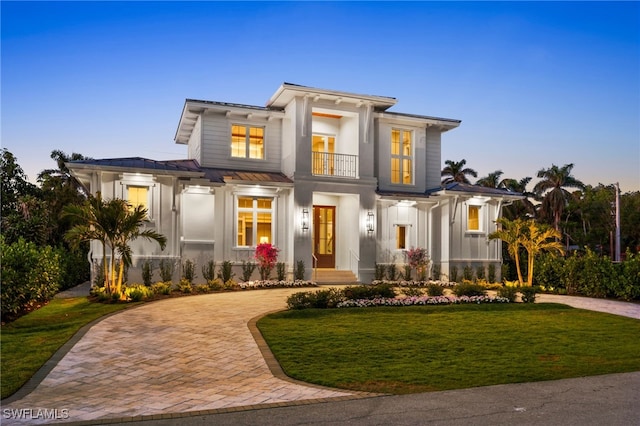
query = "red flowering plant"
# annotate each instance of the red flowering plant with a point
(418, 259)
(267, 256)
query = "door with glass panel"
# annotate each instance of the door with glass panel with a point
(324, 243)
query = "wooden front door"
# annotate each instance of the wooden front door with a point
(324, 243)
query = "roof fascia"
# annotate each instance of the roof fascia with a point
(294, 90)
(444, 123)
(117, 169)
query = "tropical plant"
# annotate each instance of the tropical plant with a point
(209, 270)
(539, 237)
(166, 270)
(519, 208)
(225, 272)
(189, 270)
(552, 186)
(281, 271)
(454, 171)
(267, 255)
(511, 232)
(114, 223)
(492, 180)
(147, 272)
(247, 270)
(298, 273)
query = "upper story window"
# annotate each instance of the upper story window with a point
(247, 141)
(254, 220)
(401, 156)
(138, 196)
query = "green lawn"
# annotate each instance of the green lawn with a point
(27, 343)
(432, 348)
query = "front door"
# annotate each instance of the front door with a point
(324, 243)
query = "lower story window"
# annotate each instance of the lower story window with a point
(254, 221)
(138, 196)
(401, 237)
(473, 218)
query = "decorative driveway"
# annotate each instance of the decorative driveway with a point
(173, 356)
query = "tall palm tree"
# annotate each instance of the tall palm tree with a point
(114, 223)
(454, 171)
(552, 187)
(511, 232)
(492, 180)
(539, 237)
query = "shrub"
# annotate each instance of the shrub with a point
(247, 270)
(380, 271)
(281, 271)
(454, 274)
(369, 291)
(300, 300)
(435, 290)
(215, 285)
(225, 271)
(467, 273)
(98, 280)
(326, 298)
(162, 287)
(407, 273)
(166, 270)
(147, 272)
(437, 271)
(298, 273)
(528, 294)
(189, 270)
(231, 284)
(413, 291)
(392, 272)
(480, 273)
(469, 289)
(137, 292)
(201, 288)
(492, 273)
(209, 270)
(267, 256)
(548, 272)
(74, 267)
(508, 293)
(30, 274)
(185, 286)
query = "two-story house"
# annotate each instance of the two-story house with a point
(331, 178)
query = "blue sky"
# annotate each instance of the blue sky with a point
(534, 83)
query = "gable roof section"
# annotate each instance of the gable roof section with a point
(183, 168)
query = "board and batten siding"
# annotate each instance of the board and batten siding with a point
(195, 141)
(433, 158)
(216, 143)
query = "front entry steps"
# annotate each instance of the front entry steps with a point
(329, 276)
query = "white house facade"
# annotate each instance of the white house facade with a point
(331, 178)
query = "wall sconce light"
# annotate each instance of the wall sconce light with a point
(305, 220)
(370, 219)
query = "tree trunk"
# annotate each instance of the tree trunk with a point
(517, 259)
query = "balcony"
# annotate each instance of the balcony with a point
(335, 165)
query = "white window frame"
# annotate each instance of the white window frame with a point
(401, 157)
(481, 213)
(140, 182)
(247, 146)
(407, 236)
(255, 210)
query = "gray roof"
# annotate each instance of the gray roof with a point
(468, 188)
(214, 175)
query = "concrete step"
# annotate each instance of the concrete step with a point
(333, 276)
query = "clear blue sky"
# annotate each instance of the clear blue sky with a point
(534, 84)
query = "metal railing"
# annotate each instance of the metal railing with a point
(315, 267)
(337, 165)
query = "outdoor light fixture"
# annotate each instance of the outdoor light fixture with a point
(370, 221)
(305, 219)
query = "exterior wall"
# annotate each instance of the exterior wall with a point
(433, 157)
(195, 141)
(216, 142)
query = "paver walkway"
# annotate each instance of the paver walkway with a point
(171, 356)
(186, 354)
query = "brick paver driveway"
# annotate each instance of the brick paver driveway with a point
(173, 356)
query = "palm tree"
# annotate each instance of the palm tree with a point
(114, 223)
(552, 187)
(520, 208)
(539, 237)
(456, 172)
(511, 232)
(492, 180)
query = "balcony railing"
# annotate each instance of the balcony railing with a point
(337, 165)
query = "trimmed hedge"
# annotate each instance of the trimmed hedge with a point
(589, 275)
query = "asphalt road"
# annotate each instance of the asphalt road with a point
(599, 400)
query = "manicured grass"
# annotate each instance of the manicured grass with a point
(27, 343)
(432, 348)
